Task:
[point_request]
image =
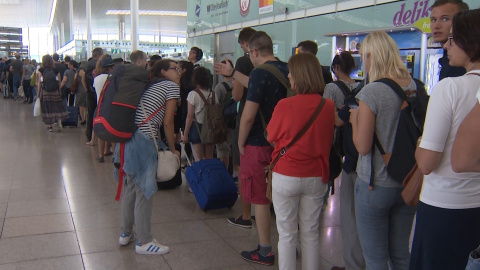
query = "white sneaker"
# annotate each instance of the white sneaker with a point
(150, 248)
(126, 239)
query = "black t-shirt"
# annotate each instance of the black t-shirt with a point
(60, 68)
(244, 66)
(447, 70)
(17, 67)
(266, 90)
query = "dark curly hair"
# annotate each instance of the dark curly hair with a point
(201, 78)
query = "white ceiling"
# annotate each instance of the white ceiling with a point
(36, 13)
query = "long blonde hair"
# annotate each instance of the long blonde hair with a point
(385, 57)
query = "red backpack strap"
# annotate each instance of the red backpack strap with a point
(151, 116)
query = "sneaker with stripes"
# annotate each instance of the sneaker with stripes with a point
(125, 238)
(152, 247)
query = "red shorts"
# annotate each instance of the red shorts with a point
(252, 173)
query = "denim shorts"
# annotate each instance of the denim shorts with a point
(194, 134)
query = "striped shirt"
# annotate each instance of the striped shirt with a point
(155, 97)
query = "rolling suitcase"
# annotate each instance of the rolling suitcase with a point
(72, 120)
(211, 183)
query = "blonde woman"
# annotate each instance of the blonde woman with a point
(384, 221)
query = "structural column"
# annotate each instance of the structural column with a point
(70, 18)
(62, 34)
(423, 56)
(89, 28)
(134, 28)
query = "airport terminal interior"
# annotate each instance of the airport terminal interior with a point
(58, 210)
(57, 202)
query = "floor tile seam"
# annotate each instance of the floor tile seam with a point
(168, 244)
(74, 226)
(35, 215)
(36, 234)
(116, 227)
(3, 226)
(32, 260)
(131, 250)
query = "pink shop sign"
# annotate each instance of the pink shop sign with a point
(420, 9)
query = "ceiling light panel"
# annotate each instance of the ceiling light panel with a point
(10, 2)
(149, 12)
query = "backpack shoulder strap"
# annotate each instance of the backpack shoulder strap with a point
(343, 86)
(227, 87)
(201, 95)
(420, 87)
(277, 73)
(394, 86)
(358, 88)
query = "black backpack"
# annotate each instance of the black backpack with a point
(50, 81)
(229, 108)
(89, 77)
(410, 127)
(338, 138)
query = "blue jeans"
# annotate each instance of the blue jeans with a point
(384, 224)
(28, 90)
(17, 81)
(474, 264)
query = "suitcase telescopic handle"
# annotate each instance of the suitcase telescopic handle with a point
(182, 146)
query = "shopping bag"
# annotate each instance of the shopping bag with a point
(21, 93)
(36, 109)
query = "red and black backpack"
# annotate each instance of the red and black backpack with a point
(114, 119)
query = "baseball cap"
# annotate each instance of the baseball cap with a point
(106, 62)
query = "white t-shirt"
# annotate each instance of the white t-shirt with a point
(194, 99)
(98, 84)
(450, 102)
(478, 95)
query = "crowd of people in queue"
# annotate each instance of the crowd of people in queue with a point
(375, 221)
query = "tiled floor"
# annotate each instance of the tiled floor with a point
(57, 210)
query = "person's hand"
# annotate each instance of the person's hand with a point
(223, 69)
(241, 149)
(185, 138)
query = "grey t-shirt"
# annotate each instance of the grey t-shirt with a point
(29, 69)
(333, 92)
(221, 92)
(385, 104)
(70, 77)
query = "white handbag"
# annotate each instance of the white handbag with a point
(168, 163)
